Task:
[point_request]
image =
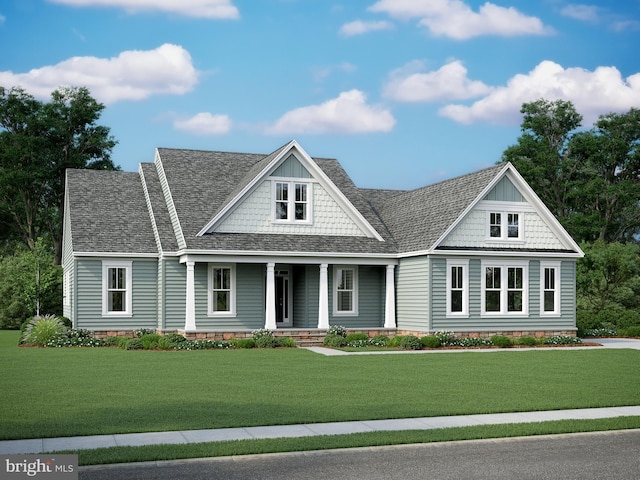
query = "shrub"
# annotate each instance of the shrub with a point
(379, 341)
(266, 341)
(111, 342)
(631, 331)
(446, 337)
(359, 343)
(123, 342)
(164, 343)
(150, 341)
(501, 341)
(431, 341)
(334, 340)
(561, 340)
(528, 341)
(263, 332)
(411, 342)
(337, 330)
(141, 332)
(175, 338)
(134, 344)
(243, 342)
(353, 337)
(471, 342)
(42, 330)
(286, 342)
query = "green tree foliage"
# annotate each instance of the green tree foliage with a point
(29, 284)
(588, 179)
(38, 142)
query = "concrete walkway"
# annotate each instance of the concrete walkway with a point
(42, 445)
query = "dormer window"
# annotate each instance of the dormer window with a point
(292, 202)
(505, 226)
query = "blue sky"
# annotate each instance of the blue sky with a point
(403, 92)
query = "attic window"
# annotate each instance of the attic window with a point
(505, 226)
(291, 202)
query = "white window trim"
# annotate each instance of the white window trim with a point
(504, 266)
(556, 298)
(128, 266)
(354, 311)
(464, 263)
(504, 227)
(291, 201)
(232, 299)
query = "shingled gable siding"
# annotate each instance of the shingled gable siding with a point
(413, 293)
(89, 296)
(476, 323)
(254, 215)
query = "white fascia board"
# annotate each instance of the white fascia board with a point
(287, 257)
(511, 253)
(147, 199)
(115, 255)
(250, 186)
(532, 197)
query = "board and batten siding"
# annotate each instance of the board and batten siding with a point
(413, 292)
(89, 296)
(477, 323)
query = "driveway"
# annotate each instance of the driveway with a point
(617, 342)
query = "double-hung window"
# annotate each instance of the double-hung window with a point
(505, 226)
(505, 287)
(292, 202)
(222, 290)
(550, 288)
(345, 290)
(117, 289)
(457, 287)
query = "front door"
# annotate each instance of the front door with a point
(283, 297)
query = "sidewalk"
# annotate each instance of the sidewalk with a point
(303, 430)
(42, 445)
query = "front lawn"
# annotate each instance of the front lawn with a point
(83, 391)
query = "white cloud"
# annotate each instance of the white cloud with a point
(450, 82)
(593, 93)
(360, 27)
(349, 113)
(321, 73)
(132, 75)
(455, 19)
(204, 123)
(586, 13)
(218, 9)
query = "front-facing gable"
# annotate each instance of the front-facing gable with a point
(290, 195)
(508, 216)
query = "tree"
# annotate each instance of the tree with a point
(29, 285)
(590, 180)
(38, 142)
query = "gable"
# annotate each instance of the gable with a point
(505, 191)
(290, 195)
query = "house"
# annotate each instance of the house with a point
(206, 243)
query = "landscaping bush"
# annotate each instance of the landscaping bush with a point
(286, 342)
(411, 342)
(353, 337)
(266, 341)
(149, 341)
(334, 340)
(631, 331)
(134, 344)
(528, 341)
(141, 332)
(379, 341)
(446, 337)
(396, 341)
(111, 342)
(561, 340)
(337, 330)
(175, 338)
(42, 330)
(164, 343)
(243, 342)
(501, 341)
(471, 342)
(431, 341)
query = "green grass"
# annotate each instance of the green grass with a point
(251, 447)
(83, 391)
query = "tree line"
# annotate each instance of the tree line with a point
(588, 178)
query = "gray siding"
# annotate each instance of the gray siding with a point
(371, 293)
(475, 322)
(174, 293)
(89, 296)
(505, 191)
(306, 296)
(68, 267)
(412, 297)
(291, 167)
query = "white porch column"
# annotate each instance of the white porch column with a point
(323, 307)
(270, 307)
(190, 310)
(390, 299)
